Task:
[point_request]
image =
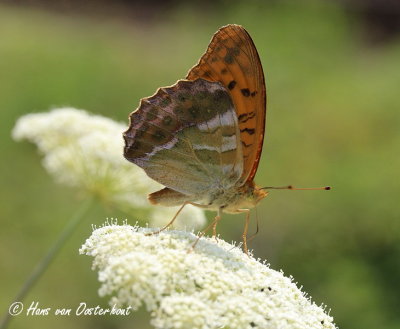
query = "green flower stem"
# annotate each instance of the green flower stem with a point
(50, 256)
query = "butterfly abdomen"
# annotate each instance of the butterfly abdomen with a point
(168, 197)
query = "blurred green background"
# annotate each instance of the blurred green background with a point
(333, 78)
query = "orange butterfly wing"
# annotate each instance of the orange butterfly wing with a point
(232, 59)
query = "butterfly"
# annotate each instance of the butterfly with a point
(202, 137)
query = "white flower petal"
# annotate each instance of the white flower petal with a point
(213, 286)
(86, 151)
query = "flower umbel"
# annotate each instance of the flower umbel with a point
(85, 151)
(214, 285)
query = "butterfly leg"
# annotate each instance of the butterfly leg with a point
(217, 219)
(245, 230)
(170, 222)
(212, 225)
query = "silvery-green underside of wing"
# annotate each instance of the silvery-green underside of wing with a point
(186, 137)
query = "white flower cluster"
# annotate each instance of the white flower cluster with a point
(214, 285)
(85, 151)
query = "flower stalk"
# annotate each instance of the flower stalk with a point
(45, 262)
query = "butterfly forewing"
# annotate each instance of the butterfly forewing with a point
(232, 59)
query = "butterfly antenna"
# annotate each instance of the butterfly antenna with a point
(290, 187)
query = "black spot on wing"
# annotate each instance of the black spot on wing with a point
(235, 51)
(250, 115)
(228, 58)
(244, 117)
(245, 92)
(207, 74)
(250, 131)
(231, 84)
(231, 53)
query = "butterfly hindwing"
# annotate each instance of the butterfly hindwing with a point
(187, 137)
(232, 60)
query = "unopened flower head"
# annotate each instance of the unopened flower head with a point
(85, 151)
(214, 285)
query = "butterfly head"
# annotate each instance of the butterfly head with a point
(248, 196)
(258, 194)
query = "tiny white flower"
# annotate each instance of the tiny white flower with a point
(86, 151)
(214, 285)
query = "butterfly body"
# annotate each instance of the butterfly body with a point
(235, 199)
(232, 200)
